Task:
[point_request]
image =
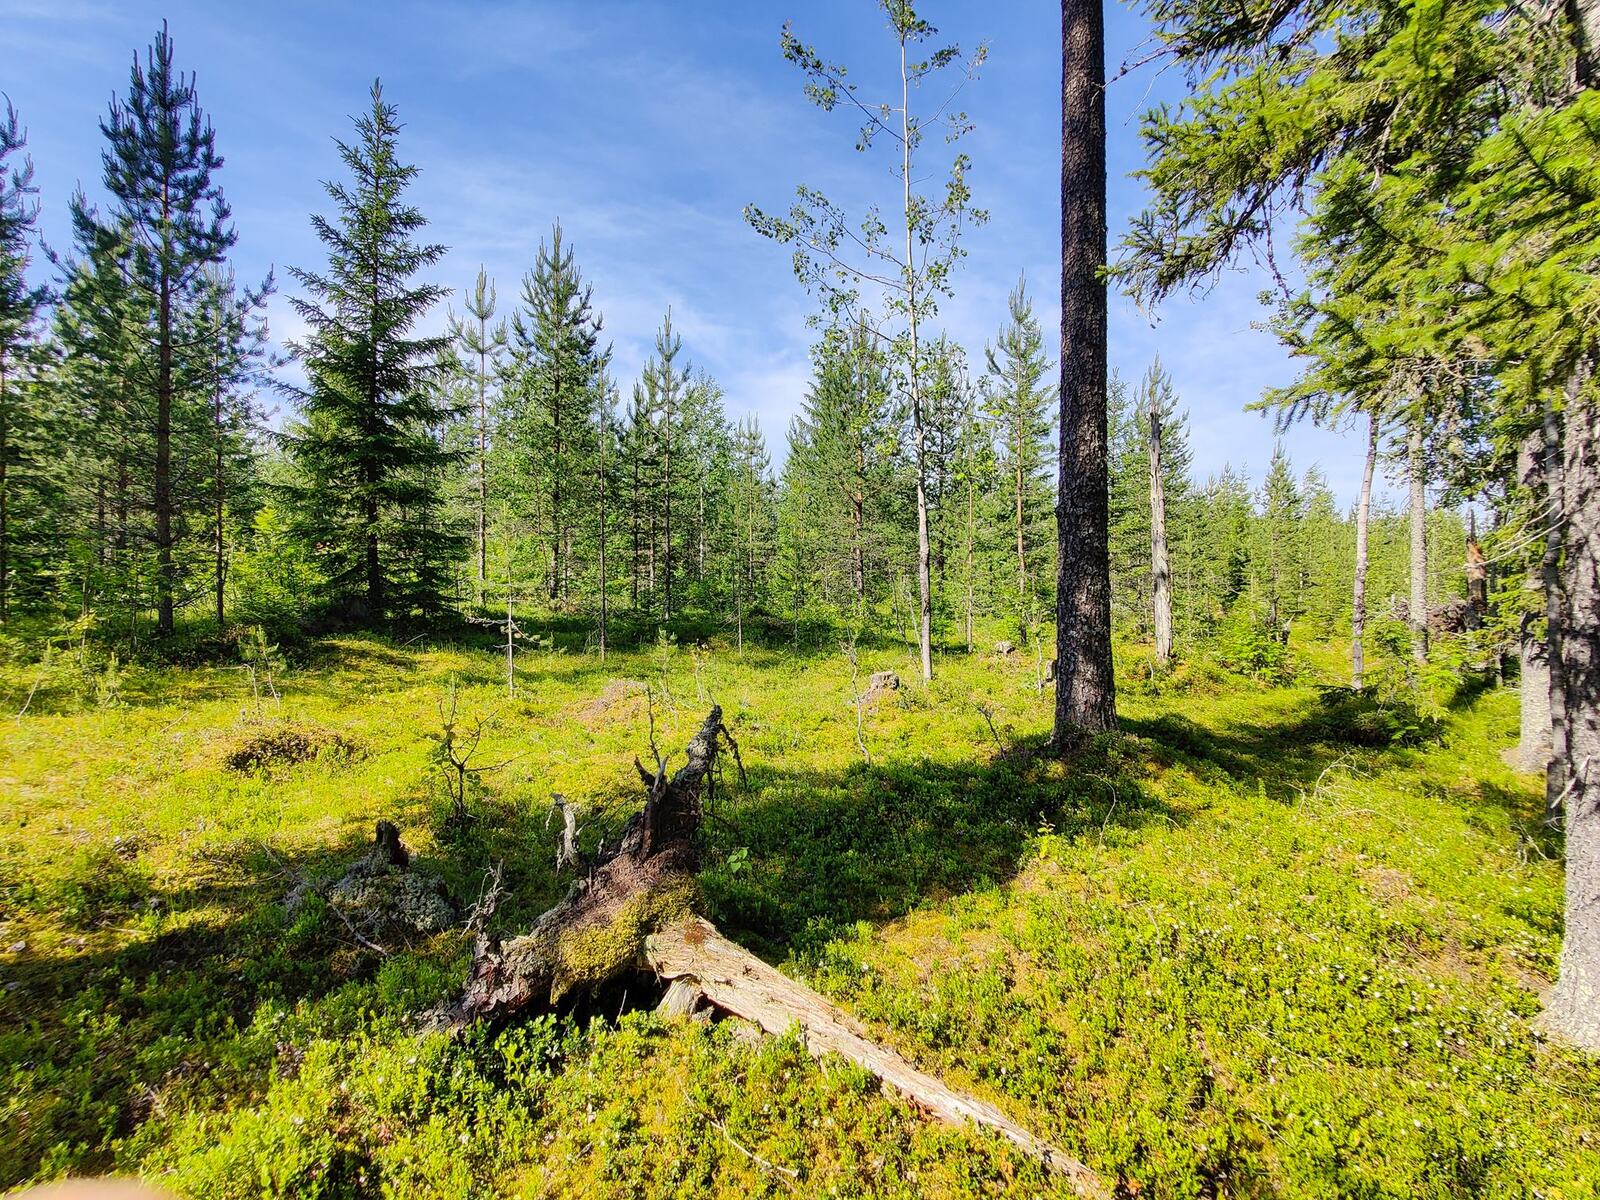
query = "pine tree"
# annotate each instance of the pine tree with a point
(25, 485)
(367, 449)
(556, 367)
(477, 339)
(1085, 685)
(233, 363)
(752, 510)
(159, 164)
(1019, 398)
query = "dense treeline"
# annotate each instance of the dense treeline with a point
(499, 467)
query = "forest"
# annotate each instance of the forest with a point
(439, 761)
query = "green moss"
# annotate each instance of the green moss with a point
(588, 957)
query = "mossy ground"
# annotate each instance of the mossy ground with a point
(1229, 953)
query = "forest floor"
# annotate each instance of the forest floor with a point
(1232, 952)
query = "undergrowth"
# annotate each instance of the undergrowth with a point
(1274, 940)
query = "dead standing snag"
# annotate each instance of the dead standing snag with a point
(634, 911)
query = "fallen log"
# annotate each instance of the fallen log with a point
(731, 979)
(633, 911)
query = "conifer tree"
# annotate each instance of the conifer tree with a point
(1085, 684)
(24, 480)
(753, 513)
(556, 368)
(666, 387)
(366, 448)
(1279, 560)
(477, 339)
(1157, 397)
(233, 366)
(96, 391)
(159, 164)
(1019, 399)
(845, 442)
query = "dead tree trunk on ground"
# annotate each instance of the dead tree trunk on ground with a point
(633, 912)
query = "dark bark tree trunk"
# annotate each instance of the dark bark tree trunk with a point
(1019, 482)
(666, 515)
(483, 461)
(218, 504)
(1085, 687)
(600, 481)
(1574, 1007)
(1358, 606)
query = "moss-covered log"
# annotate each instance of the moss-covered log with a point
(634, 912)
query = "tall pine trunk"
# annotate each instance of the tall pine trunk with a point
(555, 487)
(666, 516)
(1019, 479)
(972, 537)
(600, 479)
(1574, 1007)
(1085, 687)
(1358, 596)
(1417, 482)
(1160, 573)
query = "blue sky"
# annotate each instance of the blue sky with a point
(646, 128)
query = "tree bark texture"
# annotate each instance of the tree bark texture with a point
(1085, 688)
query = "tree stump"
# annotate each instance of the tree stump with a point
(634, 911)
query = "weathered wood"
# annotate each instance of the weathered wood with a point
(595, 934)
(739, 983)
(633, 912)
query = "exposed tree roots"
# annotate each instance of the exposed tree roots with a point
(633, 911)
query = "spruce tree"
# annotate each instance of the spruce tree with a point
(844, 442)
(752, 510)
(1280, 554)
(366, 448)
(233, 364)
